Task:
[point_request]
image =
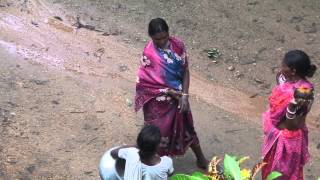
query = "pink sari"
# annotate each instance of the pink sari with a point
(284, 151)
(160, 70)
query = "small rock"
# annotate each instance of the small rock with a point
(11, 160)
(55, 102)
(88, 172)
(296, 19)
(86, 127)
(311, 29)
(116, 33)
(310, 40)
(247, 61)
(98, 53)
(129, 102)
(35, 23)
(31, 168)
(231, 68)
(265, 86)
(280, 38)
(297, 28)
(106, 34)
(39, 82)
(210, 77)
(253, 95)
(12, 104)
(318, 146)
(101, 111)
(278, 18)
(253, 3)
(126, 40)
(58, 18)
(238, 74)
(123, 68)
(258, 81)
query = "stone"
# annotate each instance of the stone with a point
(35, 23)
(39, 81)
(55, 102)
(311, 29)
(296, 19)
(123, 68)
(231, 68)
(247, 61)
(129, 102)
(31, 168)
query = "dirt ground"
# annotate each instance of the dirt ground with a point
(66, 93)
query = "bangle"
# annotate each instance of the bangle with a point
(185, 94)
(290, 116)
(291, 112)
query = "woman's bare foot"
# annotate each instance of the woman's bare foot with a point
(202, 164)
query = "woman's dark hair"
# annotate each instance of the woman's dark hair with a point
(300, 61)
(157, 25)
(148, 140)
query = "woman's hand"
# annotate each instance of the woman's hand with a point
(184, 103)
(175, 94)
(292, 124)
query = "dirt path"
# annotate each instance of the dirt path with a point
(66, 96)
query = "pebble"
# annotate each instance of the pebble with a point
(31, 168)
(11, 160)
(35, 23)
(39, 82)
(258, 80)
(231, 68)
(123, 68)
(129, 102)
(311, 29)
(238, 74)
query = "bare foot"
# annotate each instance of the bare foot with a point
(203, 164)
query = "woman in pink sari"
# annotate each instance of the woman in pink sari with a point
(285, 147)
(162, 92)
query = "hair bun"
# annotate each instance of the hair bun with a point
(311, 70)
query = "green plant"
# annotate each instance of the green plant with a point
(195, 176)
(273, 175)
(232, 171)
(213, 53)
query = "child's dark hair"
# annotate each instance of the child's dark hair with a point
(157, 25)
(148, 140)
(300, 61)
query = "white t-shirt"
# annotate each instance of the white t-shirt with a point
(159, 171)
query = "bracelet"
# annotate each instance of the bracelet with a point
(288, 116)
(291, 112)
(185, 94)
